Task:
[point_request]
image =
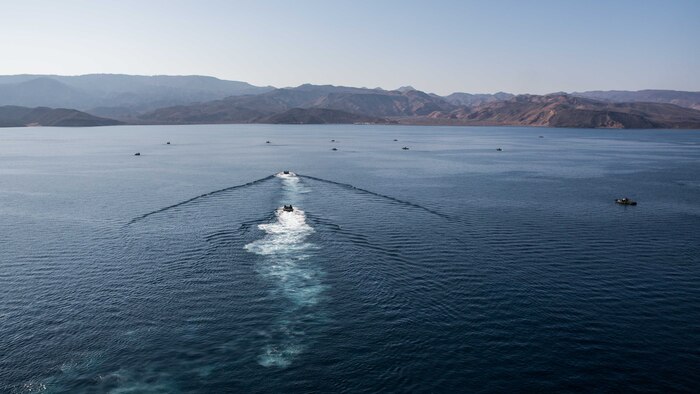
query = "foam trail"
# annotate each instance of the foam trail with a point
(188, 201)
(287, 262)
(393, 199)
(293, 188)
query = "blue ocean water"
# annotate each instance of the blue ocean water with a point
(447, 267)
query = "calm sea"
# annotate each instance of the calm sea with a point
(448, 267)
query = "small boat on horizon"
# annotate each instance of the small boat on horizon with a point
(288, 208)
(625, 201)
(405, 148)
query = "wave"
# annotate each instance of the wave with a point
(201, 196)
(293, 187)
(285, 235)
(392, 199)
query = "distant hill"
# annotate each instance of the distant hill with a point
(561, 110)
(14, 116)
(384, 103)
(319, 116)
(40, 91)
(406, 88)
(470, 100)
(368, 103)
(117, 95)
(244, 109)
(680, 98)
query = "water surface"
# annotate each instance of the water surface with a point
(447, 267)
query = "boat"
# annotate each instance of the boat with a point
(285, 172)
(405, 148)
(499, 150)
(288, 208)
(334, 149)
(395, 139)
(137, 154)
(332, 140)
(267, 142)
(167, 143)
(625, 201)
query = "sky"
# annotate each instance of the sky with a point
(536, 46)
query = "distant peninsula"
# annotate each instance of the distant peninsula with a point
(113, 99)
(14, 116)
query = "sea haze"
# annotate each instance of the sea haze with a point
(449, 266)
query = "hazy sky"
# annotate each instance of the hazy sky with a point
(438, 46)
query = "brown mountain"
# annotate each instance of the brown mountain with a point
(244, 109)
(384, 103)
(319, 116)
(369, 103)
(680, 98)
(14, 116)
(471, 100)
(561, 110)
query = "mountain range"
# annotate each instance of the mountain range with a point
(116, 95)
(104, 99)
(683, 99)
(368, 103)
(562, 110)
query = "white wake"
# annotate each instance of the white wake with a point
(287, 263)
